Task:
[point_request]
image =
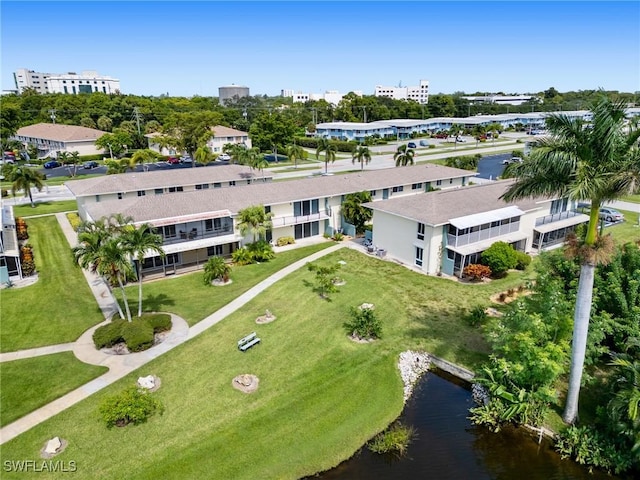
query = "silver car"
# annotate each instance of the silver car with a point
(611, 215)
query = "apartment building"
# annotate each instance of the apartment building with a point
(88, 81)
(419, 93)
(51, 139)
(220, 136)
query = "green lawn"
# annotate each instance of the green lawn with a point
(631, 198)
(59, 306)
(321, 396)
(627, 231)
(188, 297)
(45, 208)
(30, 383)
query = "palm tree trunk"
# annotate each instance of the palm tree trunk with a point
(28, 187)
(579, 342)
(139, 288)
(124, 298)
(120, 312)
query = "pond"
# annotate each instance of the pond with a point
(448, 446)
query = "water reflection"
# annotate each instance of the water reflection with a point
(448, 446)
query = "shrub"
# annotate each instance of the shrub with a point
(108, 335)
(476, 271)
(21, 229)
(216, 269)
(261, 251)
(129, 406)
(26, 260)
(523, 260)
(5, 192)
(242, 256)
(395, 439)
(282, 241)
(500, 257)
(138, 335)
(476, 316)
(364, 323)
(160, 322)
(338, 237)
(74, 220)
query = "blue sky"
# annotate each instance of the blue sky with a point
(192, 48)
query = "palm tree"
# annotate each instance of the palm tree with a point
(295, 153)
(353, 211)
(581, 162)
(144, 157)
(257, 161)
(203, 155)
(216, 269)
(139, 242)
(23, 178)
(329, 149)
(255, 220)
(114, 263)
(404, 155)
(362, 155)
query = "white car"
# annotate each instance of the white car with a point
(508, 161)
(224, 156)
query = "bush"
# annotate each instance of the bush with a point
(523, 260)
(338, 237)
(138, 335)
(261, 251)
(108, 335)
(476, 316)
(21, 229)
(242, 256)
(129, 406)
(216, 269)
(160, 322)
(364, 323)
(395, 439)
(282, 241)
(5, 192)
(476, 271)
(74, 220)
(500, 257)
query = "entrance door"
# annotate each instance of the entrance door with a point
(385, 193)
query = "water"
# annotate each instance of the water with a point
(448, 446)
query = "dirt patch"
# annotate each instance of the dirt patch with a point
(509, 296)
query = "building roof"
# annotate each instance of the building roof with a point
(60, 133)
(221, 131)
(233, 199)
(134, 181)
(439, 207)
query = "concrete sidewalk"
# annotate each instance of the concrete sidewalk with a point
(36, 352)
(122, 365)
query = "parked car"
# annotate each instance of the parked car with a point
(90, 165)
(173, 161)
(508, 161)
(460, 139)
(611, 215)
(412, 145)
(224, 157)
(52, 164)
(424, 143)
(186, 159)
(442, 135)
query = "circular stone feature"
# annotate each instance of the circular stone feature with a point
(221, 283)
(246, 383)
(53, 447)
(266, 318)
(150, 383)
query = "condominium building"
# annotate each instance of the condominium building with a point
(52, 139)
(220, 136)
(330, 96)
(71, 83)
(419, 93)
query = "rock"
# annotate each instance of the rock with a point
(342, 262)
(268, 314)
(412, 365)
(480, 394)
(368, 306)
(53, 446)
(148, 382)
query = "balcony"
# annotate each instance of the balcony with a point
(294, 220)
(184, 235)
(482, 234)
(556, 217)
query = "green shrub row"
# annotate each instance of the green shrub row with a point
(341, 145)
(74, 220)
(282, 241)
(137, 334)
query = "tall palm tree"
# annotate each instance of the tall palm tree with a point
(329, 149)
(139, 242)
(257, 161)
(362, 155)
(144, 157)
(581, 162)
(255, 220)
(295, 153)
(23, 178)
(404, 155)
(115, 264)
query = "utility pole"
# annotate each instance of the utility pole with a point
(53, 115)
(364, 110)
(136, 116)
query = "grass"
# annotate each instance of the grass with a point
(59, 306)
(188, 297)
(45, 208)
(631, 198)
(321, 396)
(33, 382)
(53, 181)
(627, 231)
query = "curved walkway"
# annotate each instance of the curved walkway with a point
(122, 365)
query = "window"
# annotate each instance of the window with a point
(97, 198)
(397, 189)
(416, 186)
(438, 182)
(217, 185)
(419, 253)
(420, 231)
(451, 181)
(212, 223)
(158, 191)
(373, 193)
(232, 183)
(305, 230)
(306, 207)
(175, 189)
(450, 254)
(169, 231)
(203, 186)
(120, 195)
(214, 250)
(141, 193)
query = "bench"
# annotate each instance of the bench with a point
(247, 342)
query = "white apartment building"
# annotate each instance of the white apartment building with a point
(419, 93)
(330, 96)
(88, 81)
(52, 139)
(220, 136)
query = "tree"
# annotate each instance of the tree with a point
(23, 178)
(500, 257)
(257, 161)
(353, 211)
(324, 279)
(362, 155)
(203, 155)
(404, 155)
(254, 220)
(144, 157)
(329, 149)
(625, 404)
(272, 131)
(138, 242)
(216, 269)
(105, 123)
(192, 130)
(581, 162)
(295, 153)
(114, 143)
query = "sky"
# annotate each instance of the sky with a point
(192, 48)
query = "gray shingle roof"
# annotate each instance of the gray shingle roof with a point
(233, 199)
(437, 208)
(134, 181)
(60, 133)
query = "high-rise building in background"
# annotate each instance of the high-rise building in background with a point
(229, 92)
(330, 96)
(72, 83)
(419, 93)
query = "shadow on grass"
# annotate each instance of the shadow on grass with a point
(154, 303)
(317, 290)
